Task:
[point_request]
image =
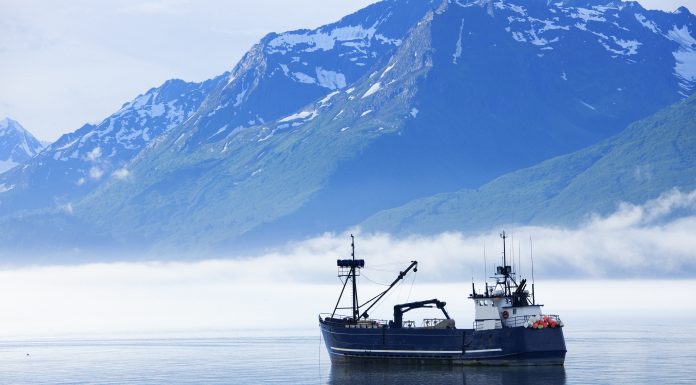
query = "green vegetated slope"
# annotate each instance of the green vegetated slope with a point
(648, 158)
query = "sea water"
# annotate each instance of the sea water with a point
(626, 351)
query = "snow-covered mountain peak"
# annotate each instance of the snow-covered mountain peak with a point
(81, 160)
(8, 125)
(17, 145)
(307, 64)
(127, 131)
(622, 31)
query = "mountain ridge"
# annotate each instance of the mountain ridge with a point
(316, 130)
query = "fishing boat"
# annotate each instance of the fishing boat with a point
(509, 326)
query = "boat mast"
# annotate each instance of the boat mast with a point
(348, 269)
(504, 236)
(505, 267)
(356, 312)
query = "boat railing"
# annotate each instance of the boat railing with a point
(487, 324)
(431, 322)
(349, 322)
(329, 316)
(438, 323)
(369, 324)
(516, 321)
(523, 319)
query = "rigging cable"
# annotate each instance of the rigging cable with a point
(413, 280)
(375, 282)
(385, 298)
(397, 264)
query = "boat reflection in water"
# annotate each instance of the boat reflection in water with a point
(444, 375)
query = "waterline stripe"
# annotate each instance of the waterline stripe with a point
(484, 350)
(399, 351)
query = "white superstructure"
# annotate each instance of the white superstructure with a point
(507, 303)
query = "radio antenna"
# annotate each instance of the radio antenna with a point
(531, 255)
(485, 266)
(512, 251)
(519, 256)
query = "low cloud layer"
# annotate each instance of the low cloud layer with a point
(288, 288)
(208, 299)
(655, 239)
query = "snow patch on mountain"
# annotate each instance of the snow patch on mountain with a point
(536, 40)
(685, 57)
(386, 40)
(649, 24)
(587, 15)
(330, 79)
(685, 67)
(630, 46)
(518, 9)
(458, 48)
(300, 115)
(588, 105)
(7, 165)
(386, 70)
(622, 47)
(303, 78)
(154, 111)
(239, 98)
(320, 40)
(542, 30)
(682, 36)
(518, 36)
(373, 88)
(327, 98)
(4, 187)
(219, 131)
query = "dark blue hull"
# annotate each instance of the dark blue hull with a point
(506, 346)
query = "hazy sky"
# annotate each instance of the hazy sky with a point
(65, 63)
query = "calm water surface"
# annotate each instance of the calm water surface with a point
(648, 353)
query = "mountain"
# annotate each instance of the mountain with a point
(649, 157)
(277, 76)
(78, 162)
(505, 85)
(17, 145)
(316, 130)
